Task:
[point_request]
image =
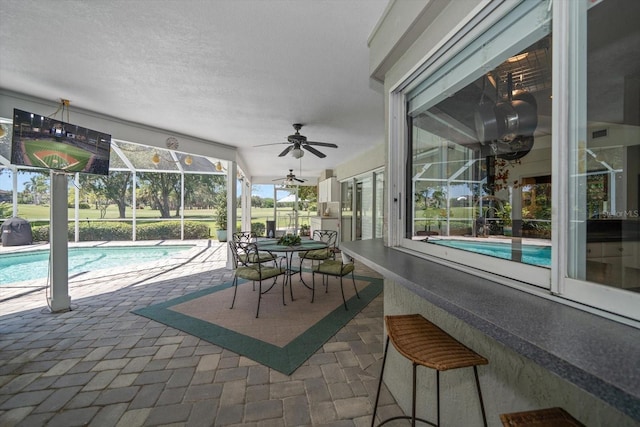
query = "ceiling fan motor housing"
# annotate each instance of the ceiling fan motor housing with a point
(300, 139)
(505, 120)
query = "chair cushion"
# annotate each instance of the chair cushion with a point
(334, 268)
(256, 274)
(317, 254)
(261, 257)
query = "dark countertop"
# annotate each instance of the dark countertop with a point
(598, 355)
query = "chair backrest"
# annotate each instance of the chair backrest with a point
(327, 236)
(233, 246)
(244, 253)
(330, 237)
(244, 236)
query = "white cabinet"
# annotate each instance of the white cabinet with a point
(329, 190)
(616, 253)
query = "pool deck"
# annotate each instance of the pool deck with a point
(99, 364)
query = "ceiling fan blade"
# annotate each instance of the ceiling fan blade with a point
(286, 151)
(299, 180)
(324, 144)
(273, 143)
(314, 151)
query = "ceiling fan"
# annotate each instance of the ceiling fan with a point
(290, 178)
(299, 142)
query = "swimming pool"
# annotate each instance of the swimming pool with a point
(531, 254)
(16, 267)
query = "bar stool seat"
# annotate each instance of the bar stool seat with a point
(425, 344)
(549, 417)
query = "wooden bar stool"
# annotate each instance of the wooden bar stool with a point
(550, 417)
(424, 344)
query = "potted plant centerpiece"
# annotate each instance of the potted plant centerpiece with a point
(289, 240)
(221, 216)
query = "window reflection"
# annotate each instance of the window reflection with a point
(481, 163)
(609, 182)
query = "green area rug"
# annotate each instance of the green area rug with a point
(284, 336)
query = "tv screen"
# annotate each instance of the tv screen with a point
(44, 142)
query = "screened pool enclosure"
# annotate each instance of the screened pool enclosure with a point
(145, 184)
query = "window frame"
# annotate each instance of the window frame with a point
(568, 27)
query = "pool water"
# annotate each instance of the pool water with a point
(31, 265)
(531, 254)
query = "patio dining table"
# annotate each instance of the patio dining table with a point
(271, 245)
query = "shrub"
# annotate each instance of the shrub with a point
(170, 230)
(40, 233)
(258, 228)
(103, 231)
(6, 209)
(196, 230)
(113, 231)
(81, 205)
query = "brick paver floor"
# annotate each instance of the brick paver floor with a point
(101, 365)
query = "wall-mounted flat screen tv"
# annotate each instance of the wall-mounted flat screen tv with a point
(43, 142)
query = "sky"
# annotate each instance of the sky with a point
(264, 191)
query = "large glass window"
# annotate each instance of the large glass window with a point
(379, 204)
(605, 152)
(498, 182)
(362, 206)
(480, 149)
(346, 210)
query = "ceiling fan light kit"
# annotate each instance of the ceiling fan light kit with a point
(297, 153)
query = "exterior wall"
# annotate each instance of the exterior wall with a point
(368, 161)
(418, 36)
(510, 382)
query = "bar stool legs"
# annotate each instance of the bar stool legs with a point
(413, 402)
(484, 415)
(425, 344)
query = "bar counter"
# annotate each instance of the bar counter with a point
(597, 360)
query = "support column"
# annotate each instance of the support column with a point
(232, 215)
(59, 300)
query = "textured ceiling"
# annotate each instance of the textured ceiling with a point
(237, 72)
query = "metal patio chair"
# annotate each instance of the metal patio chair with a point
(244, 268)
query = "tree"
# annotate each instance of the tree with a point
(429, 198)
(38, 185)
(200, 190)
(111, 188)
(308, 195)
(256, 201)
(160, 188)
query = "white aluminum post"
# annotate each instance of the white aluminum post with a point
(59, 300)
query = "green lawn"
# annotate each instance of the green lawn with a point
(41, 212)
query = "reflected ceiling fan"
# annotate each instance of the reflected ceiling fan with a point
(299, 142)
(290, 179)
